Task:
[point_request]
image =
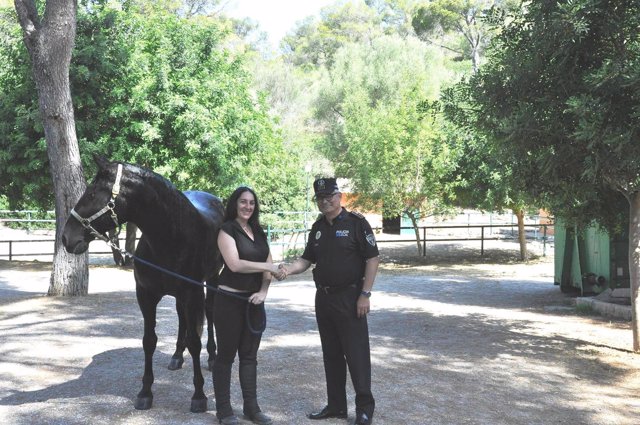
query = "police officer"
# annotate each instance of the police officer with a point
(344, 250)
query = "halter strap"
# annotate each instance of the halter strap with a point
(115, 190)
(93, 217)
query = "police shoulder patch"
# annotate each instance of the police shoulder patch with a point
(371, 239)
(357, 214)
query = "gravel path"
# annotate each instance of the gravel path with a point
(475, 342)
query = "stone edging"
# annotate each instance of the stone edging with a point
(617, 311)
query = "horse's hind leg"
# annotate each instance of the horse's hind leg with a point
(194, 300)
(211, 341)
(177, 359)
(212, 282)
(148, 303)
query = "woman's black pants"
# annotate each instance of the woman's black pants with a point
(235, 336)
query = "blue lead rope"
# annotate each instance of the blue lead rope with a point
(86, 223)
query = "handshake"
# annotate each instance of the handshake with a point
(281, 272)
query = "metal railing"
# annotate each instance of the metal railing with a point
(298, 238)
(482, 238)
(10, 253)
(26, 216)
(292, 241)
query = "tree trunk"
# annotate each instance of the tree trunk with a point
(416, 229)
(522, 236)
(634, 264)
(475, 58)
(50, 42)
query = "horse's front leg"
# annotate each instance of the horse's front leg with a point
(148, 304)
(195, 317)
(177, 359)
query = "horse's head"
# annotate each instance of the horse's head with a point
(98, 210)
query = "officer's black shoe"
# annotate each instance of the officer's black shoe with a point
(325, 413)
(363, 419)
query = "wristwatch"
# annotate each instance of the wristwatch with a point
(366, 294)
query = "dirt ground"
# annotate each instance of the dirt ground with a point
(456, 339)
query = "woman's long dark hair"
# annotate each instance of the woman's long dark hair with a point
(231, 211)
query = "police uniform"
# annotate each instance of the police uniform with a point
(339, 252)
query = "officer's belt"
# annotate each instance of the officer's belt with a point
(332, 289)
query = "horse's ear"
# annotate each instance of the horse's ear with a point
(101, 161)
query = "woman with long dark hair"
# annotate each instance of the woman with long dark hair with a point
(246, 276)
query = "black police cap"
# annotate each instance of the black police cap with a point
(325, 186)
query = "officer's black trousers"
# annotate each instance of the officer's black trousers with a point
(234, 336)
(345, 342)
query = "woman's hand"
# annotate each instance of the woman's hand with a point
(258, 297)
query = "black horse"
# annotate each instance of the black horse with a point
(179, 233)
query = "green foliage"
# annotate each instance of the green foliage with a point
(23, 159)
(289, 93)
(460, 26)
(561, 94)
(394, 15)
(377, 134)
(314, 42)
(153, 89)
(487, 177)
(292, 254)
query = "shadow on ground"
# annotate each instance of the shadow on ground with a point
(449, 348)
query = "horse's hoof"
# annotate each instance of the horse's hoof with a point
(175, 364)
(143, 403)
(199, 406)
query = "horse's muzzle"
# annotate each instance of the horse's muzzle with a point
(78, 247)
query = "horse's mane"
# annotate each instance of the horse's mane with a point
(159, 183)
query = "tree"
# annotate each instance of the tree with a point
(487, 177)
(23, 149)
(395, 15)
(49, 39)
(313, 43)
(157, 90)
(377, 133)
(438, 19)
(561, 88)
(191, 8)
